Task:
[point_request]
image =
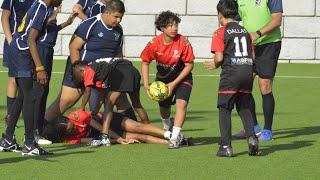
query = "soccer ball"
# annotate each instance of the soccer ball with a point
(158, 91)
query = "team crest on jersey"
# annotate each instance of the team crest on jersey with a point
(175, 54)
(100, 34)
(116, 36)
(258, 2)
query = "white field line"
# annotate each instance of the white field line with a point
(212, 75)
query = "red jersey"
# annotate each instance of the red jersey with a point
(80, 120)
(89, 78)
(170, 57)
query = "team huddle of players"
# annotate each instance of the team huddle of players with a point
(97, 72)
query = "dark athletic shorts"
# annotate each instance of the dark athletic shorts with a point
(228, 101)
(182, 91)
(266, 61)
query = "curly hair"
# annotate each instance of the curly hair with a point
(165, 18)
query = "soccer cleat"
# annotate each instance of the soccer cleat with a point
(253, 144)
(104, 140)
(41, 140)
(257, 130)
(35, 150)
(242, 134)
(175, 143)
(187, 141)
(266, 135)
(167, 123)
(225, 151)
(7, 146)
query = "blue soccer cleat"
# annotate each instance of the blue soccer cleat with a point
(266, 135)
(257, 130)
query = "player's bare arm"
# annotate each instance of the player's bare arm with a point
(41, 74)
(145, 75)
(272, 25)
(85, 98)
(78, 9)
(5, 25)
(75, 46)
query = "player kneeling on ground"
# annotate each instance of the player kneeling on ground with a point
(119, 76)
(236, 76)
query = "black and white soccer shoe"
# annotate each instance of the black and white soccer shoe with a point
(35, 150)
(8, 146)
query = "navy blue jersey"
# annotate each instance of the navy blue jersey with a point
(86, 5)
(101, 41)
(49, 34)
(95, 9)
(35, 18)
(18, 9)
(275, 6)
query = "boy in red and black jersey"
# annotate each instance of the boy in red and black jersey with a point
(174, 56)
(233, 50)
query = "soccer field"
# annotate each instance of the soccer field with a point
(293, 154)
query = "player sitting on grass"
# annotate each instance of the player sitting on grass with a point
(233, 50)
(174, 56)
(80, 127)
(119, 76)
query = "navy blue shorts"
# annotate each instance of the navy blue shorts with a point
(21, 64)
(68, 77)
(6, 52)
(46, 57)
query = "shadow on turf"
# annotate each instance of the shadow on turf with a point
(198, 141)
(266, 150)
(294, 132)
(41, 158)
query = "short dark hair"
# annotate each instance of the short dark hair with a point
(228, 8)
(115, 6)
(165, 18)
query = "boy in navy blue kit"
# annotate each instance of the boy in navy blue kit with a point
(96, 8)
(233, 51)
(98, 37)
(45, 45)
(12, 14)
(28, 70)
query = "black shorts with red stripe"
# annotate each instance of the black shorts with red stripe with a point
(182, 91)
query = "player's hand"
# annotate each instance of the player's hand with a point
(211, 65)
(42, 77)
(132, 141)
(71, 18)
(254, 36)
(58, 10)
(76, 8)
(171, 86)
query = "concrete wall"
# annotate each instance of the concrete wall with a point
(301, 24)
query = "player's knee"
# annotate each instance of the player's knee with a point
(181, 104)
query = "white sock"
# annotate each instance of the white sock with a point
(167, 123)
(167, 135)
(175, 132)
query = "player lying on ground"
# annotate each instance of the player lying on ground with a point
(80, 127)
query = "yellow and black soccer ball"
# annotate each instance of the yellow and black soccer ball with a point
(158, 91)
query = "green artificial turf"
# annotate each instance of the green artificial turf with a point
(293, 154)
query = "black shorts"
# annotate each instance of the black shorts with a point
(68, 77)
(124, 78)
(266, 61)
(228, 101)
(182, 91)
(116, 124)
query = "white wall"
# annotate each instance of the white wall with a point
(301, 24)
